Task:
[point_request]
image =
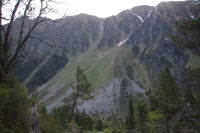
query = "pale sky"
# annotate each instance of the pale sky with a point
(99, 8)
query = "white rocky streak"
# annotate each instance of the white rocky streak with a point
(99, 55)
(197, 3)
(139, 17)
(149, 14)
(102, 25)
(189, 13)
(192, 16)
(122, 42)
(156, 9)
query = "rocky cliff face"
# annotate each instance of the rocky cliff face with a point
(132, 45)
(151, 45)
(70, 36)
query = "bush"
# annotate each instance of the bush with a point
(62, 114)
(83, 120)
(14, 108)
(99, 126)
(49, 125)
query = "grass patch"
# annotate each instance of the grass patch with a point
(98, 69)
(194, 61)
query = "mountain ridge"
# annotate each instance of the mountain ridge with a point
(135, 41)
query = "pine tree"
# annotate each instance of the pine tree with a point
(99, 125)
(123, 94)
(142, 114)
(82, 89)
(167, 97)
(130, 118)
(187, 34)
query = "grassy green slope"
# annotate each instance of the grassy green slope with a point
(98, 69)
(194, 61)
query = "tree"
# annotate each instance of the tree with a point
(82, 90)
(130, 118)
(83, 120)
(142, 114)
(123, 97)
(14, 109)
(188, 35)
(12, 45)
(187, 32)
(99, 125)
(166, 98)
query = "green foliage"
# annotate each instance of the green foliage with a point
(194, 60)
(167, 97)
(107, 130)
(123, 97)
(113, 121)
(49, 125)
(43, 110)
(14, 109)
(188, 33)
(80, 119)
(61, 115)
(130, 118)
(142, 114)
(83, 120)
(155, 120)
(83, 90)
(115, 130)
(130, 71)
(99, 126)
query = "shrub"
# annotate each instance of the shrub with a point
(14, 108)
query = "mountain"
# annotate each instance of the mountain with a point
(134, 45)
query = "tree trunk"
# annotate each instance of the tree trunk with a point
(3, 75)
(73, 107)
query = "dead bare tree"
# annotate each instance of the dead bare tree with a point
(12, 49)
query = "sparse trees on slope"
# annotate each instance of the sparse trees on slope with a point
(12, 46)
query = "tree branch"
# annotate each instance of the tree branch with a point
(7, 35)
(40, 40)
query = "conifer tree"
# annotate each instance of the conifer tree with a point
(166, 98)
(123, 94)
(130, 118)
(82, 90)
(99, 125)
(142, 114)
